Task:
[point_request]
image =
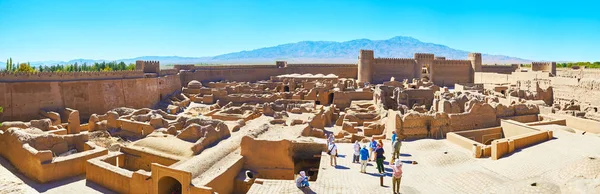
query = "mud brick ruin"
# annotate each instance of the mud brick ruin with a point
(252, 128)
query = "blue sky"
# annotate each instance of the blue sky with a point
(116, 29)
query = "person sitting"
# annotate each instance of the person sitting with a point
(302, 180)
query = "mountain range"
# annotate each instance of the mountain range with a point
(318, 52)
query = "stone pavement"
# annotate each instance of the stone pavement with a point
(443, 167)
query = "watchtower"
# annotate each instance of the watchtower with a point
(366, 58)
(475, 59)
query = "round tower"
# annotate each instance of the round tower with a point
(366, 58)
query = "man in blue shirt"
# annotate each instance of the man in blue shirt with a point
(373, 147)
(393, 137)
(364, 156)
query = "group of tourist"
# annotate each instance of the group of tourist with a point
(363, 155)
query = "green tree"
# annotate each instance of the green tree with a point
(25, 67)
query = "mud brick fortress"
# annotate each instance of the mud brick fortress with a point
(252, 128)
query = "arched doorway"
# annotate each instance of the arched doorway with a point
(286, 88)
(330, 98)
(169, 185)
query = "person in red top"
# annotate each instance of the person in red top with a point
(396, 176)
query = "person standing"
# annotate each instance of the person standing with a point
(379, 158)
(364, 156)
(372, 148)
(396, 146)
(356, 152)
(394, 137)
(396, 176)
(333, 154)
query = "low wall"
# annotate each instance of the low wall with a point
(482, 135)
(270, 159)
(138, 159)
(518, 136)
(39, 165)
(579, 123)
(222, 182)
(110, 176)
(512, 128)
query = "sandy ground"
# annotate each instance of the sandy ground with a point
(570, 163)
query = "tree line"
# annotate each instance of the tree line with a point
(103, 66)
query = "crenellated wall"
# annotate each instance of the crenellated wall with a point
(424, 65)
(544, 66)
(399, 68)
(252, 73)
(69, 76)
(449, 72)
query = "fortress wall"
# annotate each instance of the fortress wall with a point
(231, 74)
(24, 100)
(69, 76)
(448, 72)
(252, 73)
(503, 69)
(341, 70)
(399, 68)
(169, 84)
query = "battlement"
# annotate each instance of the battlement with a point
(69, 76)
(393, 60)
(440, 58)
(424, 56)
(366, 54)
(148, 66)
(210, 67)
(452, 62)
(320, 65)
(544, 66)
(473, 55)
(543, 63)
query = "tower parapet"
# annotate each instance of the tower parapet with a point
(475, 59)
(549, 67)
(422, 60)
(424, 56)
(366, 58)
(148, 66)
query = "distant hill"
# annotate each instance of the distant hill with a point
(323, 52)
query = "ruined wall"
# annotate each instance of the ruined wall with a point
(448, 72)
(271, 159)
(503, 69)
(399, 68)
(23, 100)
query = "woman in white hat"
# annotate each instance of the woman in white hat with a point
(396, 176)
